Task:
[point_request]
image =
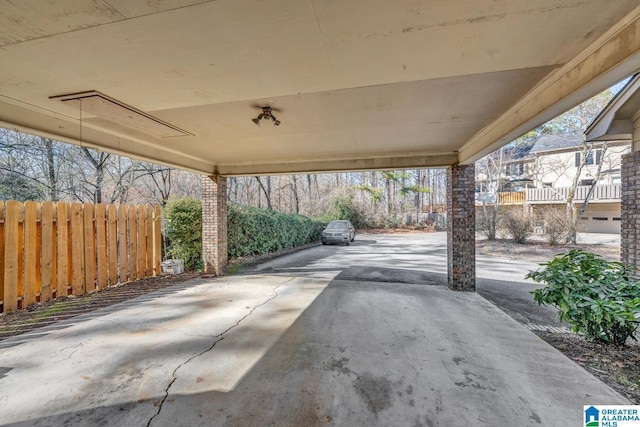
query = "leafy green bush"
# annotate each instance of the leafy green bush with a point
(253, 231)
(183, 229)
(594, 295)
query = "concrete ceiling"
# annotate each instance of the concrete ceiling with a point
(358, 84)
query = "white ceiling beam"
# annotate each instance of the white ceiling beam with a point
(328, 166)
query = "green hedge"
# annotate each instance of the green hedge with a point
(250, 231)
(253, 231)
(183, 229)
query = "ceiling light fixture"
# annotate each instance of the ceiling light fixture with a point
(267, 114)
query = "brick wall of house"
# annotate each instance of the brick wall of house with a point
(630, 212)
(461, 226)
(214, 224)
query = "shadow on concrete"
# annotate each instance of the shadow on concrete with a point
(352, 358)
(357, 242)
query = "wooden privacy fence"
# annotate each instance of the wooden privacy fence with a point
(48, 249)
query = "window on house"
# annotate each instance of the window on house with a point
(515, 169)
(518, 168)
(589, 159)
(586, 182)
(592, 159)
(547, 185)
(616, 180)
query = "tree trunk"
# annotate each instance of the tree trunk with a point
(266, 190)
(296, 199)
(51, 170)
(595, 180)
(572, 211)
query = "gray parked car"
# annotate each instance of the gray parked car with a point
(339, 232)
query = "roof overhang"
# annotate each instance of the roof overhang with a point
(615, 121)
(356, 85)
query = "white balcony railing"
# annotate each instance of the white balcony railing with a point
(601, 193)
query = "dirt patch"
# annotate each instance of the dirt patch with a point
(540, 251)
(618, 367)
(39, 315)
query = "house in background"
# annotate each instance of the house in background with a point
(540, 178)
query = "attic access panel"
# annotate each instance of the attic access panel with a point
(107, 108)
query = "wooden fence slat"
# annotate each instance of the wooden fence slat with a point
(62, 251)
(2, 252)
(112, 244)
(47, 254)
(142, 242)
(20, 291)
(77, 253)
(133, 242)
(149, 222)
(39, 250)
(157, 241)
(30, 253)
(123, 247)
(54, 243)
(101, 245)
(89, 238)
(13, 216)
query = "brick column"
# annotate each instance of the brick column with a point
(630, 212)
(461, 228)
(214, 224)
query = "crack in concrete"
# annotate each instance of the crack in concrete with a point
(219, 337)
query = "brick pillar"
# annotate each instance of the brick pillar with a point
(630, 212)
(214, 224)
(461, 228)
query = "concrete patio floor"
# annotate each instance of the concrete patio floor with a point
(287, 350)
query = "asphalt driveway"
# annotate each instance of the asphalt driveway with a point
(358, 335)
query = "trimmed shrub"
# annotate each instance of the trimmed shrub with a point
(594, 295)
(183, 229)
(250, 231)
(253, 231)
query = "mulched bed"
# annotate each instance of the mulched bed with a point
(39, 315)
(618, 367)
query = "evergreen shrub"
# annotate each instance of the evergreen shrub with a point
(253, 231)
